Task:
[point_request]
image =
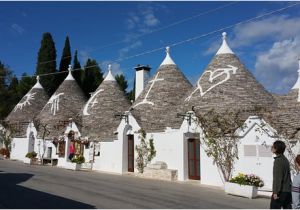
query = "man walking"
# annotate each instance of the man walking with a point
(282, 196)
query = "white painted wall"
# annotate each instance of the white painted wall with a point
(257, 134)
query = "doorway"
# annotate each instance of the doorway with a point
(194, 159)
(130, 153)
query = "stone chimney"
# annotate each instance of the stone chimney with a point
(142, 74)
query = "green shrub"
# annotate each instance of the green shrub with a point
(31, 155)
(79, 159)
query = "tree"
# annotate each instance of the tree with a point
(6, 136)
(78, 72)
(65, 61)
(131, 94)
(43, 129)
(120, 78)
(25, 84)
(46, 63)
(92, 78)
(145, 151)
(220, 139)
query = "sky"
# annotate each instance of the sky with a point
(119, 33)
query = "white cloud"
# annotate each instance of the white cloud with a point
(277, 66)
(83, 56)
(17, 28)
(116, 67)
(132, 46)
(143, 21)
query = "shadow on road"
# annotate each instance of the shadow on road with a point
(16, 196)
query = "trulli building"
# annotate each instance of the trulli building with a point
(21, 120)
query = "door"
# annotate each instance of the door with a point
(194, 159)
(130, 153)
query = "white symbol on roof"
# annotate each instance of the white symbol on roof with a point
(92, 100)
(213, 75)
(28, 97)
(54, 101)
(145, 101)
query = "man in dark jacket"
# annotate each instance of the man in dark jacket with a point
(282, 197)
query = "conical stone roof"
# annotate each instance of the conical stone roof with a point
(98, 115)
(157, 105)
(28, 107)
(287, 113)
(65, 103)
(226, 84)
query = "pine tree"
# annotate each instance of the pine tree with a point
(78, 73)
(120, 78)
(93, 76)
(65, 61)
(46, 63)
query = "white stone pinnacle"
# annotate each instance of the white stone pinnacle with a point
(168, 60)
(70, 77)
(37, 84)
(297, 84)
(224, 49)
(109, 76)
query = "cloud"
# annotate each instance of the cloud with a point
(17, 28)
(134, 45)
(141, 22)
(116, 67)
(83, 56)
(277, 66)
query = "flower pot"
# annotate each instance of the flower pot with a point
(240, 190)
(27, 161)
(73, 166)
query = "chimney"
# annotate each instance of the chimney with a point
(141, 78)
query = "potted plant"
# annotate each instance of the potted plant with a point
(76, 162)
(4, 152)
(30, 157)
(245, 185)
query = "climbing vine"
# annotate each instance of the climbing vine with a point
(145, 151)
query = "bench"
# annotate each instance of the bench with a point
(50, 161)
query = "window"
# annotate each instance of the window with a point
(249, 150)
(264, 151)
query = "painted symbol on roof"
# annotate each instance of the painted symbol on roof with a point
(145, 100)
(28, 97)
(212, 76)
(54, 101)
(92, 101)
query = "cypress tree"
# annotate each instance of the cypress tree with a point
(131, 94)
(46, 63)
(78, 73)
(93, 76)
(25, 84)
(65, 61)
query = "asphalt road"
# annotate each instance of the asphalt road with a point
(31, 186)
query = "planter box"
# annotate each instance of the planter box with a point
(241, 190)
(73, 166)
(27, 161)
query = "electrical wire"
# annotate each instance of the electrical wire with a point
(186, 40)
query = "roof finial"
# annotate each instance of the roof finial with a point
(70, 77)
(109, 76)
(168, 60)
(168, 50)
(37, 84)
(297, 84)
(224, 34)
(224, 49)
